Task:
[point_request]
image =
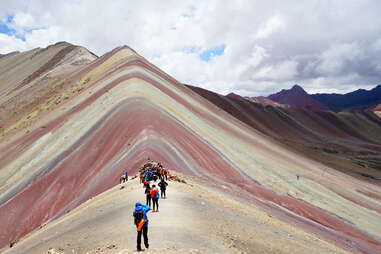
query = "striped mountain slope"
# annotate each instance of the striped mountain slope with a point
(113, 112)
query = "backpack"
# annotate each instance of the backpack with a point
(138, 216)
(155, 193)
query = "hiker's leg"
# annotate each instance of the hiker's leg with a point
(139, 241)
(145, 236)
(165, 195)
(154, 204)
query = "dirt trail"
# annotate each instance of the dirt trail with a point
(193, 219)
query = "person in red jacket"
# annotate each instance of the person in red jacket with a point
(155, 198)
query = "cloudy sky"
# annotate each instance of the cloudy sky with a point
(246, 46)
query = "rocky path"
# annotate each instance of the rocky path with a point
(193, 219)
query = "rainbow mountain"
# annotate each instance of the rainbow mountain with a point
(72, 123)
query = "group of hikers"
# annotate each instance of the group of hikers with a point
(150, 172)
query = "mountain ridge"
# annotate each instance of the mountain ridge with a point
(358, 99)
(114, 112)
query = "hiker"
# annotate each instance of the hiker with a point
(148, 176)
(163, 186)
(148, 195)
(155, 198)
(141, 222)
(126, 176)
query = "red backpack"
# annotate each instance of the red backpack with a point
(154, 193)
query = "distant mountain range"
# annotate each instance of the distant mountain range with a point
(358, 99)
(297, 97)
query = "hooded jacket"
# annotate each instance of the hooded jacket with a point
(145, 209)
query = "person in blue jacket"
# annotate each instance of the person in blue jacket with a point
(141, 222)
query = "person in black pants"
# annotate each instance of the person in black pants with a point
(145, 237)
(163, 187)
(141, 222)
(148, 195)
(155, 198)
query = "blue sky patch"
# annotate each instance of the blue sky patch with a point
(5, 28)
(208, 54)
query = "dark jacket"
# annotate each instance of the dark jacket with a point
(163, 185)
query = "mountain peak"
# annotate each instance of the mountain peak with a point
(297, 97)
(296, 87)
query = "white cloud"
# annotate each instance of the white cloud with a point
(272, 25)
(10, 43)
(283, 71)
(22, 21)
(377, 45)
(269, 44)
(334, 59)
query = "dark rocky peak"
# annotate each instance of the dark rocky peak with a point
(297, 88)
(297, 97)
